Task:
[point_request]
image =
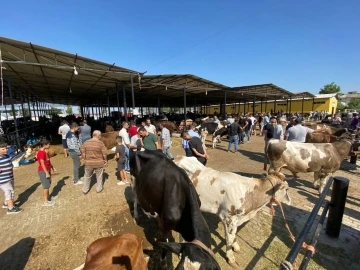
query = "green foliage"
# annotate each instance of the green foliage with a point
(331, 88)
(104, 111)
(354, 103)
(69, 110)
(341, 106)
(54, 110)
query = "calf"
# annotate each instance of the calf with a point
(122, 251)
(234, 198)
(217, 136)
(165, 191)
(321, 158)
(328, 136)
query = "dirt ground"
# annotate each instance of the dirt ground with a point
(57, 237)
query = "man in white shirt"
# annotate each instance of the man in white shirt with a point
(126, 142)
(135, 143)
(63, 130)
(149, 127)
(253, 122)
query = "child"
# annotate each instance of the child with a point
(120, 157)
(44, 170)
(7, 180)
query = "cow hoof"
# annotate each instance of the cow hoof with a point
(234, 264)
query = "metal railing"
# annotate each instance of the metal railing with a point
(11, 138)
(336, 210)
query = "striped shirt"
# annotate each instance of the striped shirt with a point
(6, 170)
(95, 153)
(165, 137)
(73, 142)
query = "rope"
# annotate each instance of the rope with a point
(202, 245)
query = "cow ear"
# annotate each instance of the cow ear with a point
(173, 247)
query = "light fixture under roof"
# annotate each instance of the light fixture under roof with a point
(70, 91)
(75, 71)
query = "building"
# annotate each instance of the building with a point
(345, 99)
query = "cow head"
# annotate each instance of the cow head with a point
(189, 164)
(280, 187)
(193, 257)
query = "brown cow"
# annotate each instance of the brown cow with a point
(327, 136)
(108, 129)
(109, 139)
(123, 252)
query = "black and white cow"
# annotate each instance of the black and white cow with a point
(217, 136)
(164, 191)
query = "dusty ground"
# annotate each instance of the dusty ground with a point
(57, 237)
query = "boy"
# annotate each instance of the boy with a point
(7, 180)
(120, 158)
(44, 170)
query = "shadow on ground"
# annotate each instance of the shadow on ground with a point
(24, 196)
(16, 256)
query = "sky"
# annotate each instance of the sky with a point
(297, 45)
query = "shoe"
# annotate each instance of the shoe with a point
(14, 210)
(228, 151)
(48, 203)
(121, 183)
(78, 182)
(128, 172)
(53, 198)
(4, 206)
(126, 182)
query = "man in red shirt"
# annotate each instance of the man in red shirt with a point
(132, 129)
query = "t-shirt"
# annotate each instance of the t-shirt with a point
(85, 132)
(6, 169)
(150, 129)
(249, 124)
(252, 118)
(149, 142)
(193, 133)
(120, 149)
(125, 136)
(132, 131)
(64, 129)
(274, 132)
(42, 155)
(298, 133)
(266, 120)
(135, 141)
(234, 129)
(165, 137)
(94, 151)
(242, 122)
(196, 143)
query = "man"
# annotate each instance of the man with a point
(272, 130)
(63, 130)
(230, 120)
(234, 130)
(74, 144)
(243, 124)
(185, 143)
(292, 122)
(192, 131)
(166, 141)
(253, 122)
(216, 120)
(248, 128)
(126, 142)
(150, 127)
(85, 132)
(297, 133)
(132, 129)
(148, 140)
(135, 143)
(94, 154)
(196, 147)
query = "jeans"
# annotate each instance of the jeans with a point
(188, 152)
(127, 159)
(242, 136)
(167, 152)
(87, 179)
(233, 140)
(76, 162)
(248, 134)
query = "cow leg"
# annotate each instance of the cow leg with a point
(316, 182)
(230, 235)
(135, 199)
(323, 180)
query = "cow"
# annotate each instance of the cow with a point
(327, 136)
(109, 139)
(164, 191)
(216, 138)
(320, 158)
(234, 198)
(203, 135)
(122, 251)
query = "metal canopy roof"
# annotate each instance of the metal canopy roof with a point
(263, 91)
(49, 75)
(302, 95)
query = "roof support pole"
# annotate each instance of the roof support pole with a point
(141, 108)
(302, 108)
(312, 108)
(98, 112)
(248, 110)
(29, 107)
(261, 106)
(266, 102)
(33, 105)
(184, 91)
(132, 92)
(224, 103)
(275, 105)
(22, 109)
(14, 115)
(195, 109)
(37, 108)
(92, 111)
(108, 104)
(118, 102)
(253, 106)
(159, 104)
(244, 107)
(125, 106)
(82, 111)
(6, 112)
(290, 106)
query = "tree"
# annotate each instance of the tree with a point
(341, 106)
(354, 103)
(331, 88)
(69, 110)
(54, 110)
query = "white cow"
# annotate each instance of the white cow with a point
(234, 198)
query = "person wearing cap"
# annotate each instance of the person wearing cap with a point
(272, 130)
(297, 133)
